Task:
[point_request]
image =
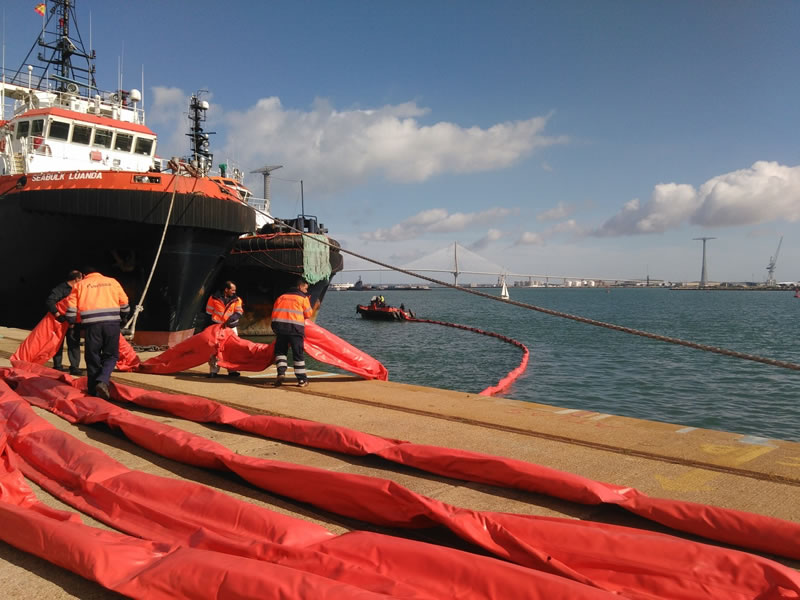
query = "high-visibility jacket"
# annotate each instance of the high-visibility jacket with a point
(97, 299)
(289, 313)
(223, 309)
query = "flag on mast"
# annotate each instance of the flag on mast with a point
(40, 8)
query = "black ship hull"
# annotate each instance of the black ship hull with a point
(47, 232)
(265, 266)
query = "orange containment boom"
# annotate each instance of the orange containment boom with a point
(591, 559)
(232, 351)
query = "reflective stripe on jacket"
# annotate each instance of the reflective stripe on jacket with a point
(225, 310)
(96, 299)
(290, 311)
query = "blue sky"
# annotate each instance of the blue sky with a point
(583, 138)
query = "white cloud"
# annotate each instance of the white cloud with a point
(568, 226)
(670, 205)
(435, 220)
(765, 192)
(491, 236)
(344, 148)
(167, 114)
(529, 238)
(559, 211)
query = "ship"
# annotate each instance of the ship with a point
(81, 185)
(268, 262)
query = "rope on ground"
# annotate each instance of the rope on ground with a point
(512, 376)
(654, 336)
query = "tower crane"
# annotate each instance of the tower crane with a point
(773, 260)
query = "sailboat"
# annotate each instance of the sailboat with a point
(503, 288)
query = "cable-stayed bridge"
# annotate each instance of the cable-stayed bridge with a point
(457, 260)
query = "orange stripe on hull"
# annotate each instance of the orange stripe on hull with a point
(123, 180)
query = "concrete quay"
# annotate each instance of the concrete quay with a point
(660, 459)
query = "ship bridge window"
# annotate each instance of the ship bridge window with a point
(81, 134)
(37, 127)
(59, 130)
(123, 142)
(22, 129)
(143, 146)
(102, 138)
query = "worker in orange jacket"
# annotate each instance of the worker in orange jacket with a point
(224, 308)
(101, 304)
(289, 314)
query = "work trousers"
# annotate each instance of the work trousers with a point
(213, 367)
(101, 352)
(73, 338)
(282, 343)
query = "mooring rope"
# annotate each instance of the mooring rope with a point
(512, 376)
(556, 313)
(130, 326)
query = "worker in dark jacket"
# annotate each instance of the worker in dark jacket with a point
(102, 305)
(289, 314)
(73, 335)
(224, 308)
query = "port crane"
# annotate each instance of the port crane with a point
(773, 260)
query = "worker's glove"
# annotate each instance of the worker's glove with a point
(61, 318)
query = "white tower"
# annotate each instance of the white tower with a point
(703, 277)
(266, 171)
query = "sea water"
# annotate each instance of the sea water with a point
(580, 366)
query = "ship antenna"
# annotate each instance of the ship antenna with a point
(201, 158)
(64, 46)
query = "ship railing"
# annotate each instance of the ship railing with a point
(25, 90)
(258, 203)
(305, 223)
(23, 152)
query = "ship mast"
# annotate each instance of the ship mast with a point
(59, 50)
(200, 158)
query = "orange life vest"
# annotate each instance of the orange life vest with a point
(290, 311)
(225, 310)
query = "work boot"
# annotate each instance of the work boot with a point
(279, 381)
(233, 374)
(101, 391)
(75, 371)
(302, 383)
